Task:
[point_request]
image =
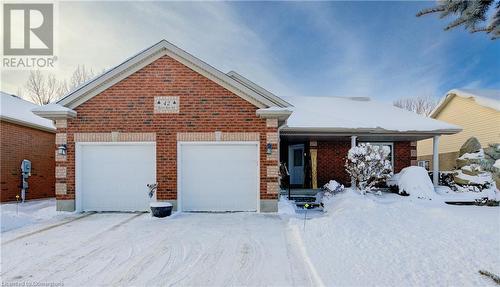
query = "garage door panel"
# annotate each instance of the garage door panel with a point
(114, 177)
(219, 177)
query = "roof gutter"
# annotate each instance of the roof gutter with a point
(347, 131)
(27, 124)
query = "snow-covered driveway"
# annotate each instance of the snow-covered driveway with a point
(134, 249)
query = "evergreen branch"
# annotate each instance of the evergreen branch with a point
(455, 23)
(430, 11)
(493, 277)
(481, 29)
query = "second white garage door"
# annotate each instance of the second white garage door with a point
(218, 176)
(113, 177)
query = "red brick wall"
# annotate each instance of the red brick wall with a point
(332, 156)
(18, 143)
(128, 107)
(402, 155)
(331, 160)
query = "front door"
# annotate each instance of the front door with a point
(296, 163)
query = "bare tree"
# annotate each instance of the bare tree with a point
(79, 76)
(422, 105)
(42, 89)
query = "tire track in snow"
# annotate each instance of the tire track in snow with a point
(46, 228)
(40, 265)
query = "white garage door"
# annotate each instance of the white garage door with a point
(219, 176)
(113, 177)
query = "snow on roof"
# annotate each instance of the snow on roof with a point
(486, 98)
(359, 113)
(18, 110)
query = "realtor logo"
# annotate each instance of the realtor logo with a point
(28, 29)
(29, 36)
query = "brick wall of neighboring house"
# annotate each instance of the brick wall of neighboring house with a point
(18, 143)
(332, 156)
(205, 107)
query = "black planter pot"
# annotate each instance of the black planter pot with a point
(161, 209)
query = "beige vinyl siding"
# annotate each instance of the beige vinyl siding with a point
(476, 120)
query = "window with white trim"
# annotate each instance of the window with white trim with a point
(424, 163)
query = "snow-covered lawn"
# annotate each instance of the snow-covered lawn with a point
(120, 249)
(32, 212)
(391, 240)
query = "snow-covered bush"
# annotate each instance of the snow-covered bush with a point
(328, 191)
(413, 181)
(368, 165)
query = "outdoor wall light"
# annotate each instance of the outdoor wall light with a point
(61, 149)
(269, 148)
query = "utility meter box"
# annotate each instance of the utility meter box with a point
(26, 168)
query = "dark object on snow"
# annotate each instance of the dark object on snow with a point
(479, 202)
(472, 145)
(494, 277)
(161, 209)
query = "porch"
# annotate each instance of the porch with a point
(313, 159)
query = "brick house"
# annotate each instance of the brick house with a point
(25, 136)
(212, 141)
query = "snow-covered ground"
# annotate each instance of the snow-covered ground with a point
(391, 240)
(370, 240)
(17, 215)
(120, 249)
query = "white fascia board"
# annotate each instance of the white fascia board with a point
(27, 124)
(277, 100)
(280, 114)
(312, 130)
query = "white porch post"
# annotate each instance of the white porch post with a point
(435, 160)
(353, 144)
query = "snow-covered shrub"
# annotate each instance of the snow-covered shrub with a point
(368, 165)
(333, 187)
(328, 191)
(413, 181)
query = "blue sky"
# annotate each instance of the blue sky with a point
(375, 49)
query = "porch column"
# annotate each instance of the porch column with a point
(313, 149)
(435, 160)
(353, 144)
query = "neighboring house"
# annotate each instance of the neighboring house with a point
(25, 135)
(210, 140)
(476, 111)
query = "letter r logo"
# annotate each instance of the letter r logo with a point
(28, 29)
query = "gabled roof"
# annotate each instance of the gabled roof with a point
(486, 98)
(149, 55)
(357, 115)
(16, 110)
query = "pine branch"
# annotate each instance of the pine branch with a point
(455, 23)
(481, 29)
(430, 11)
